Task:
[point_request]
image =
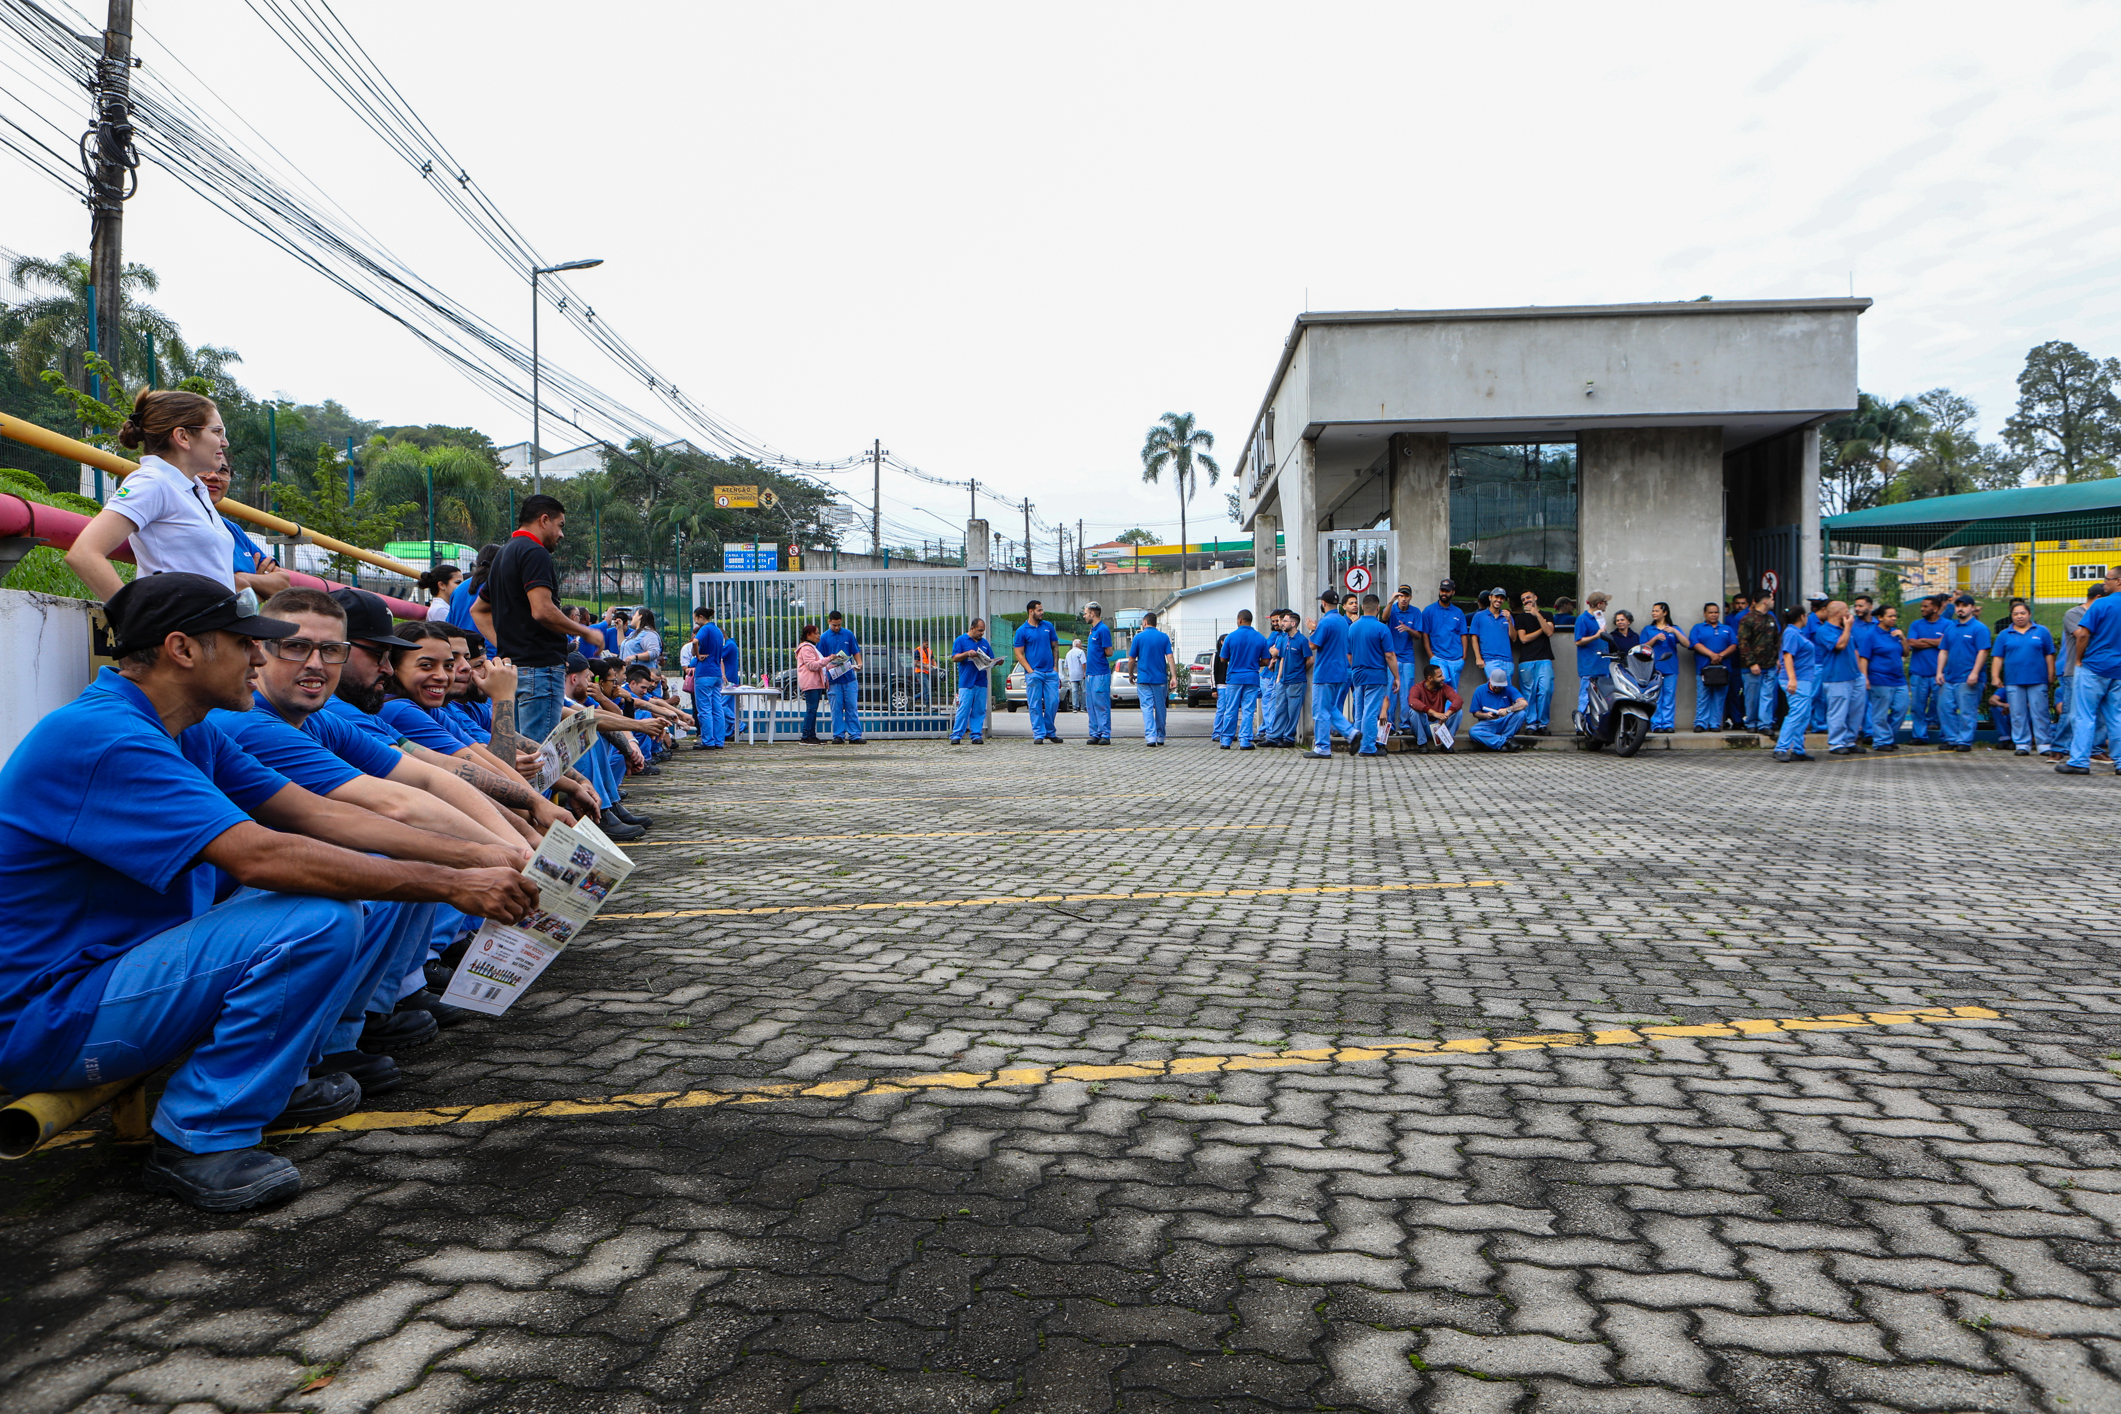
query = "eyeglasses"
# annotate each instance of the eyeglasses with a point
(297, 650)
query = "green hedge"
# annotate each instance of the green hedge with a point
(1475, 579)
(43, 570)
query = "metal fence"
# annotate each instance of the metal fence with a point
(893, 614)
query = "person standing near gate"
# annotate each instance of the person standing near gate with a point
(1076, 667)
(1443, 632)
(1038, 654)
(845, 690)
(1404, 619)
(707, 679)
(1883, 652)
(1154, 665)
(1799, 661)
(1966, 643)
(1759, 653)
(1097, 675)
(1714, 643)
(974, 687)
(1535, 662)
(1288, 653)
(1244, 648)
(1329, 678)
(1374, 669)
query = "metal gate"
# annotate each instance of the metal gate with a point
(1367, 553)
(895, 615)
(1775, 551)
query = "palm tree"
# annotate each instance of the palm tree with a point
(467, 486)
(50, 329)
(1175, 443)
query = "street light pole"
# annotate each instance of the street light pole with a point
(537, 453)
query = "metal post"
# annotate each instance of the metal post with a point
(349, 472)
(108, 151)
(599, 512)
(537, 456)
(95, 384)
(876, 501)
(430, 518)
(1027, 535)
(272, 451)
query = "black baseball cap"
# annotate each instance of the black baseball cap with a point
(1966, 599)
(368, 619)
(1447, 587)
(576, 663)
(154, 606)
(1328, 596)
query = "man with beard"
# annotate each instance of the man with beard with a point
(355, 769)
(120, 962)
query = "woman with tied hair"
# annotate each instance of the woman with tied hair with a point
(439, 581)
(163, 508)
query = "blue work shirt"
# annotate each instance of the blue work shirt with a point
(1590, 652)
(730, 670)
(1803, 653)
(1711, 638)
(1404, 623)
(1486, 698)
(1445, 625)
(1295, 652)
(344, 714)
(1496, 636)
(971, 674)
(838, 640)
(417, 725)
(1150, 649)
(1836, 664)
(248, 554)
(609, 632)
(1368, 643)
(464, 726)
(2024, 654)
(1664, 647)
(2102, 651)
(1922, 662)
(1097, 652)
(99, 852)
(1041, 645)
(1963, 643)
(297, 755)
(1882, 652)
(1244, 649)
(708, 643)
(1331, 641)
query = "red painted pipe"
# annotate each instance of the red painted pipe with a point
(49, 525)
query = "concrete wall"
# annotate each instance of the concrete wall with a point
(46, 638)
(1421, 512)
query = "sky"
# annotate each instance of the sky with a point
(1005, 239)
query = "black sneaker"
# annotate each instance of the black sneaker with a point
(376, 1075)
(2065, 769)
(227, 1182)
(397, 1031)
(444, 1014)
(320, 1100)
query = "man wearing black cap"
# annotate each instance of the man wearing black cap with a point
(118, 962)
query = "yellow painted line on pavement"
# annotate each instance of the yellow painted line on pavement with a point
(951, 834)
(1052, 898)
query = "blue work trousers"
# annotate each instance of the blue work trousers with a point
(1759, 700)
(1369, 714)
(1410, 674)
(1665, 717)
(1818, 721)
(2094, 713)
(846, 695)
(1709, 702)
(540, 694)
(1796, 717)
(1236, 709)
(1844, 711)
(1496, 733)
(1325, 715)
(1156, 701)
(1042, 701)
(249, 987)
(707, 702)
(1958, 708)
(1888, 709)
(1288, 698)
(1923, 703)
(971, 718)
(1453, 669)
(2030, 728)
(394, 938)
(1097, 693)
(1536, 681)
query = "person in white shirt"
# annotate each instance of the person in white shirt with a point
(440, 581)
(1077, 664)
(163, 508)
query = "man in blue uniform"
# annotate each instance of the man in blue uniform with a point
(1443, 633)
(1374, 668)
(707, 679)
(1963, 654)
(2023, 670)
(1329, 677)
(1404, 618)
(1924, 637)
(1840, 678)
(732, 675)
(2095, 690)
(1243, 649)
(973, 685)
(1881, 652)
(1038, 654)
(1494, 632)
(845, 692)
(1498, 711)
(1289, 652)
(1097, 675)
(1798, 671)
(1154, 663)
(1715, 646)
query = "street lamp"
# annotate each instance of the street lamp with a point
(537, 453)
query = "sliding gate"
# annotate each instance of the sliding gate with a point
(894, 614)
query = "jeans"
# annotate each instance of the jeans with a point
(1844, 712)
(1958, 705)
(248, 986)
(971, 718)
(1709, 701)
(1536, 681)
(1369, 711)
(1663, 719)
(811, 697)
(1097, 695)
(1759, 699)
(1496, 732)
(1888, 704)
(539, 693)
(846, 697)
(1325, 716)
(2094, 713)
(1795, 719)
(1156, 701)
(2030, 728)
(1922, 701)
(1236, 706)
(1287, 705)
(1409, 674)
(1042, 700)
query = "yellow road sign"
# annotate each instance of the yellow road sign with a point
(768, 499)
(737, 497)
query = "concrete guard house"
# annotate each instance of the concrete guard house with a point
(1658, 451)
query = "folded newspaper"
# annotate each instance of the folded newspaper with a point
(565, 746)
(838, 667)
(575, 869)
(982, 661)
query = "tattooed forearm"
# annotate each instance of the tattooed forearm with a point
(513, 794)
(505, 736)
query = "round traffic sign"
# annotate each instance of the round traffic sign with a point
(1357, 579)
(722, 502)
(1770, 581)
(795, 549)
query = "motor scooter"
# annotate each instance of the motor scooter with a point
(1622, 700)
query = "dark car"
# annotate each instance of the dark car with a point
(887, 679)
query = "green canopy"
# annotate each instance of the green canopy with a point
(2077, 510)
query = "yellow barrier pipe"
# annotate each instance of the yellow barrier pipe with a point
(29, 434)
(34, 1119)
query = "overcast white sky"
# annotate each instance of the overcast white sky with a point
(1004, 239)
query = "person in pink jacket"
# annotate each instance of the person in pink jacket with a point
(810, 679)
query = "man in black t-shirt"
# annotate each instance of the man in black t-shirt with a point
(529, 627)
(1534, 631)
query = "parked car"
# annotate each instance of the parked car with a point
(1126, 692)
(1014, 694)
(1200, 680)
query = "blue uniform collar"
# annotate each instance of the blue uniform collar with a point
(113, 683)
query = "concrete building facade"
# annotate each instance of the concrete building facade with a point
(1694, 428)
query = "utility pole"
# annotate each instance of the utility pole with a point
(876, 498)
(1082, 557)
(113, 174)
(1027, 535)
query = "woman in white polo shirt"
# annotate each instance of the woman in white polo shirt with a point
(162, 508)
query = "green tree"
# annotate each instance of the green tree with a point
(1856, 452)
(323, 507)
(1952, 459)
(470, 498)
(1174, 444)
(1136, 536)
(2068, 423)
(49, 330)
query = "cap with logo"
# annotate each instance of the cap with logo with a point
(154, 606)
(1446, 587)
(368, 619)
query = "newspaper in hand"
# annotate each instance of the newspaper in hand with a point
(982, 660)
(839, 667)
(565, 745)
(575, 869)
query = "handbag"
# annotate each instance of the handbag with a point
(1715, 675)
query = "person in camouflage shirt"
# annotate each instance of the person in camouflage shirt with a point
(1759, 648)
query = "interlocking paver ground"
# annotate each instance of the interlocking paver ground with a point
(1898, 1215)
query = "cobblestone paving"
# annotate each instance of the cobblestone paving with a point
(1896, 1213)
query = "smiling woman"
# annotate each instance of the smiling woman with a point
(163, 507)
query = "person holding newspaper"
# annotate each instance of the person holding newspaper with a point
(975, 659)
(842, 652)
